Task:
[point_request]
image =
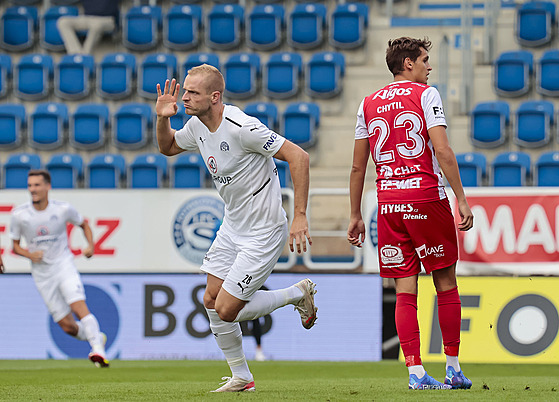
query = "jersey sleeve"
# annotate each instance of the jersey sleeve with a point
(361, 126)
(256, 137)
(73, 216)
(15, 228)
(433, 108)
(185, 138)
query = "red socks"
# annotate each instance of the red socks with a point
(450, 319)
(407, 327)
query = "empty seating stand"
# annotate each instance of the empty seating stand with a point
(73, 75)
(547, 170)
(147, 171)
(182, 27)
(535, 23)
(511, 169)
(141, 26)
(472, 166)
(65, 170)
(47, 126)
(534, 120)
(282, 73)
(188, 171)
(116, 75)
(348, 25)
(513, 73)
(489, 124)
(265, 25)
(106, 171)
(19, 25)
(12, 124)
(16, 168)
(547, 76)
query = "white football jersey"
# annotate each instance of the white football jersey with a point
(46, 230)
(239, 157)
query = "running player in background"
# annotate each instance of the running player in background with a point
(403, 127)
(238, 151)
(42, 223)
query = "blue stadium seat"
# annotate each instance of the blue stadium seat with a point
(472, 166)
(141, 27)
(16, 168)
(324, 74)
(241, 72)
(533, 123)
(535, 22)
(265, 25)
(284, 173)
(179, 120)
(513, 72)
(489, 124)
(116, 75)
(547, 76)
(299, 123)
(50, 36)
(511, 169)
(132, 125)
(19, 25)
(281, 75)
(197, 59)
(188, 171)
(72, 76)
(147, 171)
(5, 74)
(65, 170)
(224, 26)
(182, 26)
(106, 171)
(155, 69)
(33, 77)
(547, 169)
(266, 112)
(348, 25)
(306, 24)
(47, 125)
(12, 124)
(89, 125)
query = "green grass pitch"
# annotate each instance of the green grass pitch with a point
(78, 380)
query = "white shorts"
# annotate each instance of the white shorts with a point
(61, 291)
(244, 262)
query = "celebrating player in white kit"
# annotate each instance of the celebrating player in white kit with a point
(42, 223)
(238, 151)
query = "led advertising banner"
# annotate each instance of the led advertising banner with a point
(162, 317)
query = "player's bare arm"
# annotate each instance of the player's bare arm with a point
(35, 256)
(447, 161)
(88, 234)
(356, 228)
(298, 161)
(166, 107)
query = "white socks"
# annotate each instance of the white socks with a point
(418, 370)
(91, 331)
(452, 361)
(81, 333)
(230, 340)
(263, 302)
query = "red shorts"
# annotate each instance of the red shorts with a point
(412, 234)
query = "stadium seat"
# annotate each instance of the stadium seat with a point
(535, 22)
(132, 125)
(155, 69)
(547, 169)
(489, 124)
(50, 36)
(19, 25)
(188, 171)
(106, 171)
(47, 126)
(284, 174)
(65, 170)
(178, 120)
(241, 72)
(511, 169)
(89, 125)
(306, 25)
(141, 27)
(116, 75)
(267, 113)
(33, 76)
(472, 166)
(533, 123)
(181, 27)
(299, 123)
(147, 171)
(72, 76)
(197, 59)
(64, 2)
(224, 26)
(547, 76)
(281, 75)
(512, 73)
(5, 74)
(348, 25)
(25, 2)
(265, 25)
(16, 168)
(12, 124)
(324, 73)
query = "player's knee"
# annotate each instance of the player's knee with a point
(227, 315)
(209, 301)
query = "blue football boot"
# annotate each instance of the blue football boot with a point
(457, 380)
(426, 382)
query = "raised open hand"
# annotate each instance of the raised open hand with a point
(166, 105)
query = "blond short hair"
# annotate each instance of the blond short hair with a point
(215, 81)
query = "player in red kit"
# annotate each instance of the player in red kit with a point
(403, 127)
